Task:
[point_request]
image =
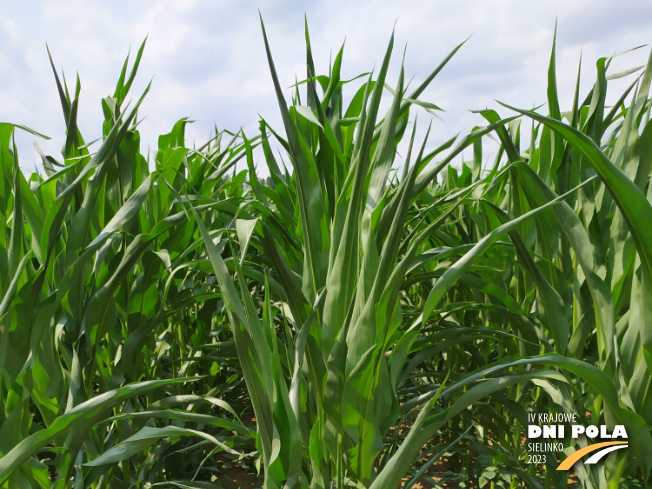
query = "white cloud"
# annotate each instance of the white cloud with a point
(208, 62)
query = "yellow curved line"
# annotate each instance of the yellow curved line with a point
(570, 461)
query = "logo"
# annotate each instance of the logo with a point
(602, 449)
(553, 429)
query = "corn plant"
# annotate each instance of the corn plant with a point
(372, 313)
(100, 283)
(598, 243)
(325, 376)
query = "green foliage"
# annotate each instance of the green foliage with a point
(354, 319)
(107, 311)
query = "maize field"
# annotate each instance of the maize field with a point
(367, 316)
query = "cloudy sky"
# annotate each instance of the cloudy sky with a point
(206, 58)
